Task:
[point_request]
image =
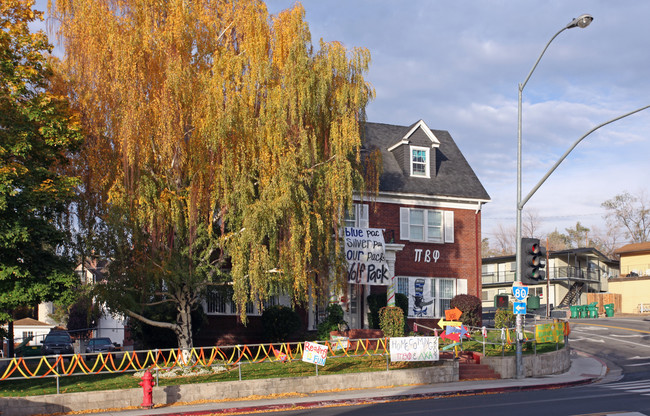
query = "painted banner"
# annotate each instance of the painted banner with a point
(549, 332)
(314, 353)
(420, 299)
(339, 343)
(366, 256)
(414, 349)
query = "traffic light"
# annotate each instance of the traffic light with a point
(501, 301)
(532, 260)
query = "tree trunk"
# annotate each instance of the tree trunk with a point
(183, 328)
(10, 339)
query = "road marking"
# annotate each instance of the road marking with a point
(635, 365)
(639, 358)
(627, 336)
(622, 340)
(610, 326)
(623, 413)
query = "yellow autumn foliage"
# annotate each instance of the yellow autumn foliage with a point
(202, 109)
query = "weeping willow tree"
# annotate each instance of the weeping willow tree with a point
(215, 130)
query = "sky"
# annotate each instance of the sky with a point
(457, 66)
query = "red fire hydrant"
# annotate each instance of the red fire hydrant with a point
(147, 390)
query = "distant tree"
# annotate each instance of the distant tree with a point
(557, 241)
(37, 136)
(607, 240)
(486, 250)
(504, 240)
(632, 213)
(215, 132)
(578, 237)
(530, 222)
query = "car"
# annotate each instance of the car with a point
(57, 342)
(100, 345)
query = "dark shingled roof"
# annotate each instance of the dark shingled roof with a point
(451, 177)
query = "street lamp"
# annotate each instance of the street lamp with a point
(581, 22)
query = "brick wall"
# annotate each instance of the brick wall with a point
(460, 260)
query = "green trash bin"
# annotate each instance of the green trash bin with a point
(574, 311)
(609, 310)
(582, 311)
(592, 310)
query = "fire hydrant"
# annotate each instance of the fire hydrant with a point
(147, 390)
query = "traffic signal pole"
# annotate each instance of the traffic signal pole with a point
(582, 22)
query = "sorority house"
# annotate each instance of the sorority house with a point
(429, 208)
(429, 211)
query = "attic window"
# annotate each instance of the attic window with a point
(420, 161)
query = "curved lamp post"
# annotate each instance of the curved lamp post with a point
(581, 22)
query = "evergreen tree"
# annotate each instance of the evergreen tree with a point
(37, 136)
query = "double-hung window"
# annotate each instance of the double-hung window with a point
(426, 225)
(420, 161)
(357, 217)
(439, 291)
(219, 301)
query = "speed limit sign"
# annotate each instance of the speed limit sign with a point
(520, 292)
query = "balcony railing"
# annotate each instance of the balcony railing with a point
(560, 273)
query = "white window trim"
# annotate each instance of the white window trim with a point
(436, 292)
(361, 216)
(251, 309)
(447, 225)
(427, 162)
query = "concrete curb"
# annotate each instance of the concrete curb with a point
(378, 399)
(405, 385)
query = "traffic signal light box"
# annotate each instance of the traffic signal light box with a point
(533, 259)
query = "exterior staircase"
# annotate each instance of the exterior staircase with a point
(572, 295)
(470, 368)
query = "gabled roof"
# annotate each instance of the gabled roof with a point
(633, 248)
(30, 322)
(451, 177)
(418, 126)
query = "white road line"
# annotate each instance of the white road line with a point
(627, 342)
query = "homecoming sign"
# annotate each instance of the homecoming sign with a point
(414, 349)
(365, 254)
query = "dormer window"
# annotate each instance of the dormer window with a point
(420, 161)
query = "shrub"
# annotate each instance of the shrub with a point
(331, 323)
(280, 322)
(391, 321)
(504, 318)
(377, 301)
(471, 307)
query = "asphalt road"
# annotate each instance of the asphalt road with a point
(624, 343)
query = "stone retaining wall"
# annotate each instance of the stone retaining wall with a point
(442, 372)
(555, 362)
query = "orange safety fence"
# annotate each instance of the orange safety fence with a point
(121, 362)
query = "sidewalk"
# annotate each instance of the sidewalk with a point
(584, 369)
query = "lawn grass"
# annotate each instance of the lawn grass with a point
(339, 364)
(296, 368)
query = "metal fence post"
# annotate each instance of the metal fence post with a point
(239, 360)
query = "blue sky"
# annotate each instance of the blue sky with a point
(457, 64)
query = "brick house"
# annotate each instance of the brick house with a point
(429, 208)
